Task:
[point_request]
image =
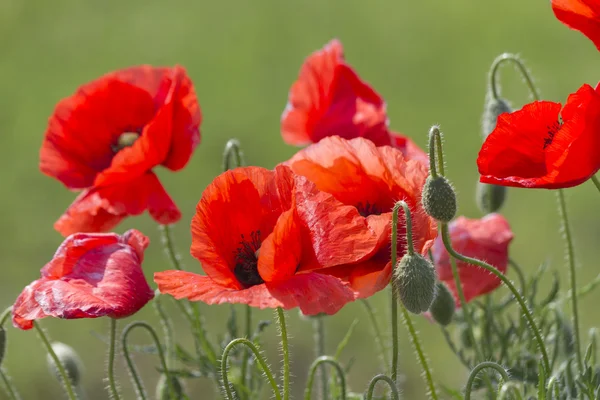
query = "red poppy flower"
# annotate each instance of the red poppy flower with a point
(532, 148)
(371, 179)
(485, 239)
(264, 237)
(582, 15)
(90, 276)
(109, 135)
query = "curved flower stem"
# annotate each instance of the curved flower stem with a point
(167, 241)
(167, 326)
(553, 391)
(432, 145)
(246, 356)
(10, 390)
(259, 358)
(141, 391)
(420, 354)
(4, 316)
(520, 274)
(319, 362)
(386, 379)
(114, 391)
(510, 388)
(286, 353)
(526, 312)
(68, 386)
(232, 150)
(319, 334)
(377, 331)
(502, 58)
(596, 182)
(478, 368)
(394, 296)
(572, 275)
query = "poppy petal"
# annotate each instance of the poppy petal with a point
(581, 15)
(281, 251)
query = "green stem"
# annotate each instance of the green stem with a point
(246, 355)
(439, 151)
(478, 368)
(510, 387)
(286, 353)
(596, 182)
(232, 149)
(553, 391)
(319, 334)
(141, 391)
(420, 354)
(394, 296)
(167, 241)
(386, 379)
(572, 276)
(320, 362)
(259, 358)
(432, 157)
(520, 274)
(526, 312)
(114, 391)
(376, 330)
(167, 327)
(10, 390)
(514, 59)
(4, 316)
(68, 386)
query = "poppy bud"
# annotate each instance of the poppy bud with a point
(442, 308)
(163, 392)
(69, 360)
(493, 109)
(439, 199)
(126, 140)
(415, 281)
(489, 197)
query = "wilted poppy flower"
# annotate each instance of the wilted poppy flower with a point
(485, 239)
(371, 179)
(534, 147)
(90, 276)
(582, 15)
(264, 237)
(107, 137)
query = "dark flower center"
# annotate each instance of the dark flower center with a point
(552, 129)
(246, 261)
(366, 209)
(126, 139)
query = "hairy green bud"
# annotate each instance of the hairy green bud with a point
(492, 110)
(489, 197)
(163, 392)
(69, 360)
(439, 199)
(415, 280)
(443, 306)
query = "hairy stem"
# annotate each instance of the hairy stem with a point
(114, 391)
(286, 353)
(320, 363)
(378, 378)
(480, 367)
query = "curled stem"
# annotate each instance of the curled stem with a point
(376, 379)
(167, 327)
(507, 57)
(66, 381)
(141, 392)
(526, 312)
(320, 362)
(394, 296)
(596, 182)
(572, 275)
(480, 367)
(520, 274)
(432, 150)
(10, 389)
(259, 358)
(553, 391)
(319, 334)
(286, 353)
(232, 150)
(4, 316)
(508, 389)
(114, 391)
(376, 330)
(246, 356)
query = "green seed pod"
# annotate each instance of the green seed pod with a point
(489, 197)
(492, 110)
(439, 199)
(69, 360)
(443, 306)
(415, 281)
(126, 139)
(162, 388)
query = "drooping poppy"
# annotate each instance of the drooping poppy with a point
(107, 137)
(264, 237)
(535, 147)
(581, 15)
(329, 98)
(371, 179)
(90, 276)
(485, 239)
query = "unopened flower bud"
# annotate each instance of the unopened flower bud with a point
(442, 308)
(439, 199)
(163, 392)
(69, 360)
(415, 281)
(492, 110)
(490, 197)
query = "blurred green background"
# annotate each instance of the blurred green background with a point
(428, 59)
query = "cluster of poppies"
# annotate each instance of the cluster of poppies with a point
(314, 232)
